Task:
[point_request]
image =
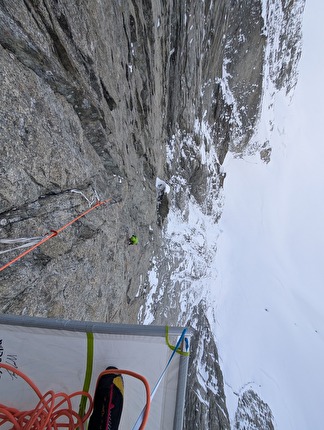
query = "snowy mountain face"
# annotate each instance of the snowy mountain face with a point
(252, 413)
(146, 103)
(261, 50)
(268, 266)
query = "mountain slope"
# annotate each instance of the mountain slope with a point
(269, 260)
(110, 100)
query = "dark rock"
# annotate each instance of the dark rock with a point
(213, 410)
(252, 413)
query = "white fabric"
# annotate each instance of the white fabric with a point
(56, 360)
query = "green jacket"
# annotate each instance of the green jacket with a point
(133, 240)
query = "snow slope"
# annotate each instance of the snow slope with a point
(269, 289)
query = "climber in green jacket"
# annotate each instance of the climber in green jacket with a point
(133, 240)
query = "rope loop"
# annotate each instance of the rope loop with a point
(52, 412)
(55, 411)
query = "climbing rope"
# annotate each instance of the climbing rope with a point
(176, 349)
(54, 410)
(53, 233)
(25, 243)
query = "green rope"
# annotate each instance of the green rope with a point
(88, 373)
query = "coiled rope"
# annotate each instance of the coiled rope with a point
(53, 233)
(54, 410)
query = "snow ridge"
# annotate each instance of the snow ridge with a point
(190, 233)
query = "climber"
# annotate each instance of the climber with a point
(133, 240)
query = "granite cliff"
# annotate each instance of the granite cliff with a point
(98, 100)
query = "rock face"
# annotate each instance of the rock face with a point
(253, 413)
(205, 397)
(98, 100)
(83, 88)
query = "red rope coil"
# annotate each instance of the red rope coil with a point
(53, 410)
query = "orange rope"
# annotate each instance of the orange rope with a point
(53, 234)
(52, 409)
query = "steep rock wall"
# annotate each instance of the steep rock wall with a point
(82, 92)
(95, 96)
